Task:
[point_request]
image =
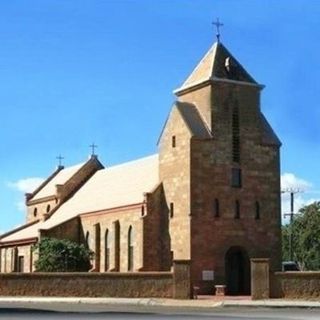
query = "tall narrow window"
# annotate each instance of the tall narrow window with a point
(216, 208)
(130, 249)
(236, 180)
(235, 135)
(173, 141)
(35, 212)
(48, 208)
(97, 248)
(257, 215)
(171, 210)
(87, 239)
(106, 251)
(20, 264)
(117, 247)
(237, 210)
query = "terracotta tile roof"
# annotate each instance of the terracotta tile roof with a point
(108, 188)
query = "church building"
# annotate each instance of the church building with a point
(210, 196)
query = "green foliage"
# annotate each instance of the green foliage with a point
(306, 238)
(56, 255)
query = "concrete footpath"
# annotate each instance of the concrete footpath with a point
(147, 304)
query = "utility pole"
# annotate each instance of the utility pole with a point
(292, 192)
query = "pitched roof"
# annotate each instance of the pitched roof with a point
(49, 188)
(193, 119)
(268, 135)
(108, 188)
(26, 232)
(218, 63)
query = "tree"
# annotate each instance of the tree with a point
(306, 237)
(56, 255)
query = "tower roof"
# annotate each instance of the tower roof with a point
(218, 64)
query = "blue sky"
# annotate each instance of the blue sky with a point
(77, 71)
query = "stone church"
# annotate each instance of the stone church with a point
(210, 196)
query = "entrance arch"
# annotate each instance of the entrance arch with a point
(237, 268)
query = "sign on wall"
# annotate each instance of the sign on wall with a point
(207, 275)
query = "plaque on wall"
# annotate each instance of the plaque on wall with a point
(207, 275)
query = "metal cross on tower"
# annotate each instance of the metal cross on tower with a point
(60, 158)
(93, 148)
(218, 24)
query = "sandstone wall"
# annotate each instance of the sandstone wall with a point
(174, 284)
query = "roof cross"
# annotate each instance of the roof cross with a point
(218, 24)
(60, 158)
(93, 148)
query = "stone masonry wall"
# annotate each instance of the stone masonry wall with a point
(156, 237)
(295, 285)
(126, 217)
(174, 167)
(174, 284)
(211, 165)
(135, 285)
(69, 230)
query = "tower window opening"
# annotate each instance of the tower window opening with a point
(171, 210)
(237, 210)
(236, 179)
(257, 215)
(173, 141)
(216, 208)
(235, 135)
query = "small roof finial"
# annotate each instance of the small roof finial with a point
(93, 147)
(60, 158)
(218, 24)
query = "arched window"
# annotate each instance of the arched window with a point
(35, 212)
(48, 208)
(257, 214)
(87, 239)
(107, 251)
(130, 249)
(216, 208)
(97, 246)
(237, 210)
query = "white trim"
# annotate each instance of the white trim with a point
(215, 79)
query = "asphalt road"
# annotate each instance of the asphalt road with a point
(217, 314)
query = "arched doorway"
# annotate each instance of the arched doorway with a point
(237, 267)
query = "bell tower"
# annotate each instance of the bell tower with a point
(234, 173)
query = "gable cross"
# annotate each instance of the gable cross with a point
(218, 24)
(93, 148)
(60, 158)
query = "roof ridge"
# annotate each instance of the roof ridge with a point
(44, 183)
(212, 48)
(131, 161)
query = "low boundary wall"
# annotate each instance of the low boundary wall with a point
(295, 285)
(290, 285)
(174, 284)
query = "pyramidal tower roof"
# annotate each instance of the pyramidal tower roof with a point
(218, 64)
